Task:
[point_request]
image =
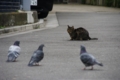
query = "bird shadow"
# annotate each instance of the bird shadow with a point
(12, 61)
(92, 70)
(36, 66)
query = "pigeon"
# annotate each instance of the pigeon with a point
(14, 52)
(37, 56)
(88, 59)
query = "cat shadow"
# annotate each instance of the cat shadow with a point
(79, 40)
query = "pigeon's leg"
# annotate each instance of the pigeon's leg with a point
(91, 67)
(84, 68)
(81, 39)
(37, 64)
(15, 60)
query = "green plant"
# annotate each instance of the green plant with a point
(109, 3)
(93, 2)
(1, 27)
(83, 1)
(118, 3)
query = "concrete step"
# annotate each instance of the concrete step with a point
(39, 24)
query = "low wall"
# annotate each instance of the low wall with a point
(113, 3)
(17, 18)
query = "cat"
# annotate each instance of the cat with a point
(79, 33)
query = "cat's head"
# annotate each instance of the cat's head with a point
(70, 29)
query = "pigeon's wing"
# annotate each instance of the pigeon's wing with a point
(87, 59)
(32, 60)
(11, 57)
(39, 55)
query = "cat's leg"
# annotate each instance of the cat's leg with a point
(71, 39)
(77, 38)
(77, 35)
(81, 39)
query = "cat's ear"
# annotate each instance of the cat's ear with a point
(68, 26)
(72, 26)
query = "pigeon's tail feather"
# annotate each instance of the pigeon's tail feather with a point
(8, 60)
(30, 63)
(100, 64)
(11, 58)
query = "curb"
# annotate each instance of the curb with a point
(27, 27)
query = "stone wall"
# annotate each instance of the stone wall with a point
(17, 18)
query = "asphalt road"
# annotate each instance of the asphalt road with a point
(61, 60)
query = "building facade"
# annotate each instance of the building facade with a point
(110, 3)
(9, 5)
(14, 5)
(67, 1)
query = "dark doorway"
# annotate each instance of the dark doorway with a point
(73, 1)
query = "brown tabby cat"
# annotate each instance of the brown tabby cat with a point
(79, 33)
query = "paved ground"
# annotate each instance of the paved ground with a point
(61, 61)
(83, 8)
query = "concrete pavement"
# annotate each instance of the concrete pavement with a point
(82, 8)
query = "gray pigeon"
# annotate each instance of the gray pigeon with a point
(14, 52)
(88, 59)
(37, 56)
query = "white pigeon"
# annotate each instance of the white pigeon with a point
(14, 52)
